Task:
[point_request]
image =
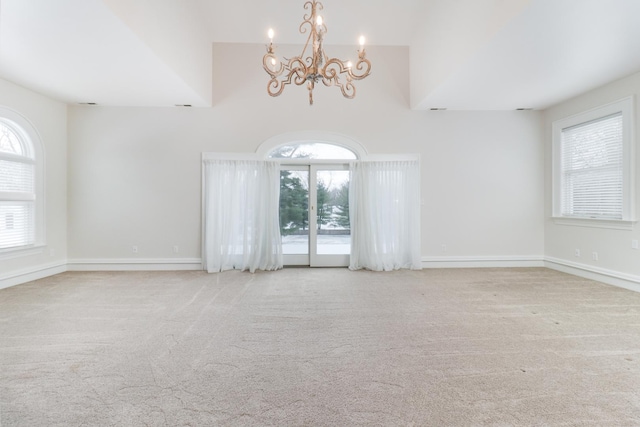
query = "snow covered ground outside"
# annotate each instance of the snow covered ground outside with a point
(327, 244)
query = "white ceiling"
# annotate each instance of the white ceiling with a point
(385, 22)
(464, 54)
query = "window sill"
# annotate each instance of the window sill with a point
(613, 224)
(21, 251)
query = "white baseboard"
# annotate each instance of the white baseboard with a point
(483, 261)
(614, 278)
(140, 264)
(33, 273)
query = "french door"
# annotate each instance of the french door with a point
(314, 215)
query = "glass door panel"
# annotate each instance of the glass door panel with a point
(294, 215)
(331, 239)
(332, 195)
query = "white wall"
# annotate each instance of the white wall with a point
(134, 173)
(50, 120)
(616, 258)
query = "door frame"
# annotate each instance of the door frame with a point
(312, 258)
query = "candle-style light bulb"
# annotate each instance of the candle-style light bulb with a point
(319, 20)
(349, 64)
(362, 39)
(273, 61)
(270, 34)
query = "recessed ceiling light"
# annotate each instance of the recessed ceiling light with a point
(183, 105)
(87, 103)
(437, 109)
(524, 109)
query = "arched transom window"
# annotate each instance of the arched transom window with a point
(312, 150)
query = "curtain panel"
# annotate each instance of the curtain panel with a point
(241, 226)
(384, 203)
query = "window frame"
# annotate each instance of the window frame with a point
(32, 143)
(624, 106)
(304, 137)
(270, 154)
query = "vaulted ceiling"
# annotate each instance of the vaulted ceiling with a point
(464, 54)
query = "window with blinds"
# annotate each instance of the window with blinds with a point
(592, 169)
(17, 189)
(593, 165)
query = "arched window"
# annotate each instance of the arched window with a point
(20, 201)
(311, 145)
(312, 150)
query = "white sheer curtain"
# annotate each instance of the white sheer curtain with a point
(384, 204)
(242, 229)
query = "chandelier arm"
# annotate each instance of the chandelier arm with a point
(299, 76)
(331, 77)
(266, 60)
(332, 70)
(364, 66)
(275, 87)
(348, 90)
(296, 73)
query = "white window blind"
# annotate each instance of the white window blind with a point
(592, 169)
(16, 177)
(16, 224)
(17, 190)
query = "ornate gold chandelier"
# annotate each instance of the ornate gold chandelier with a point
(316, 66)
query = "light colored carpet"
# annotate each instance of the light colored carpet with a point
(319, 347)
